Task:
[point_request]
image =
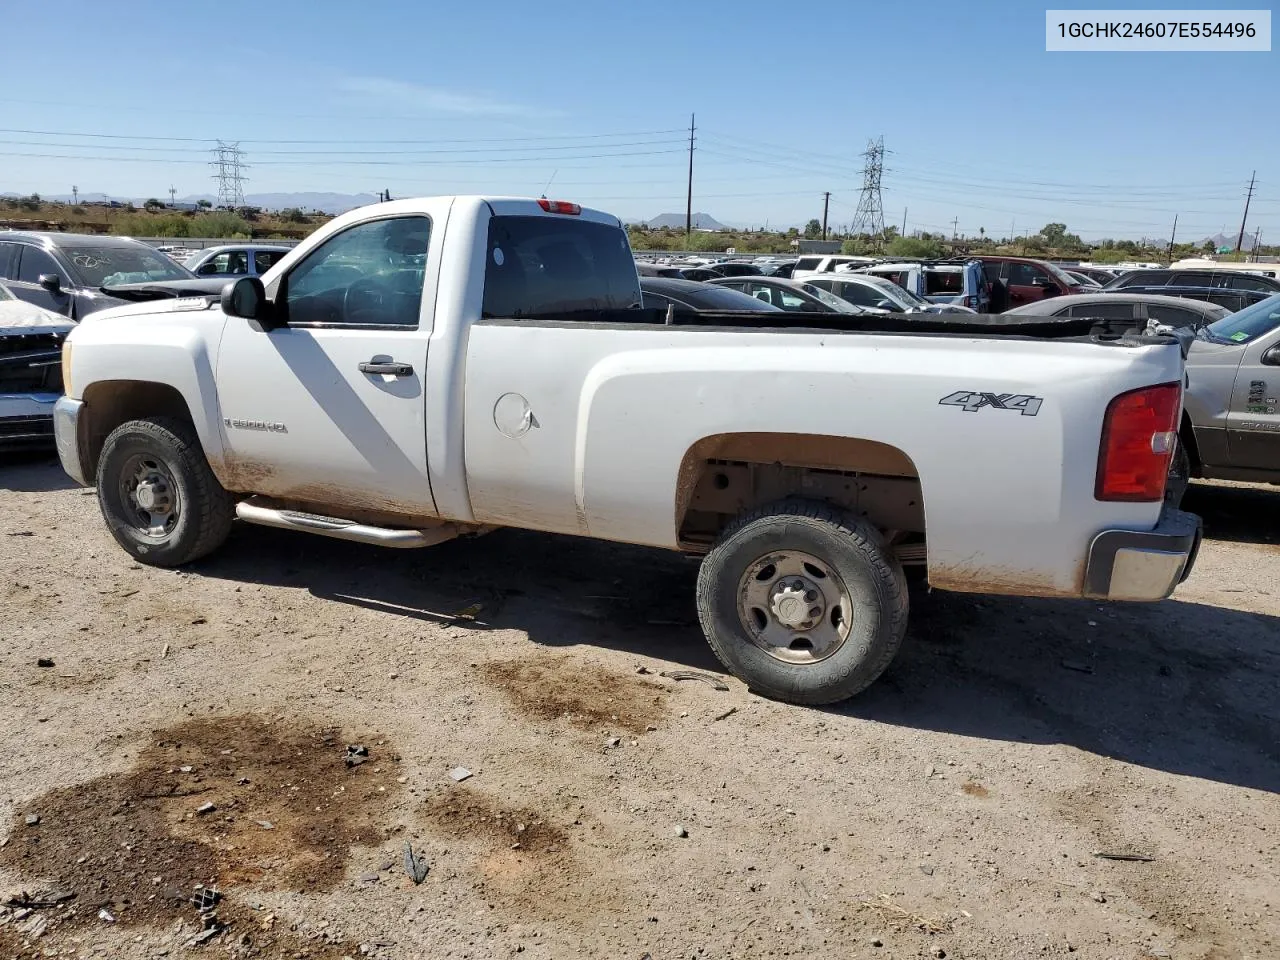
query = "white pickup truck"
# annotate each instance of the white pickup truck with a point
(423, 369)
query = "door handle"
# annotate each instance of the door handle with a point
(391, 367)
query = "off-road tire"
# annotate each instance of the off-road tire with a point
(207, 510)
(855, 550)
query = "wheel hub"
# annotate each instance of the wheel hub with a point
(794, 606)
(153, 495)
(796, 603)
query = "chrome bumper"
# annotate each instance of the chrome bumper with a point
(1143, 565)
(66, 435)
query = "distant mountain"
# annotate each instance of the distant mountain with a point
(701, 221)
(1222, 240)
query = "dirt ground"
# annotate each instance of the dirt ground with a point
(261, 736)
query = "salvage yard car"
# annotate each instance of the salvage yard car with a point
(420, 370)
(30, 372)
(65, 272)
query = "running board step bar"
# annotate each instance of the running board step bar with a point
(345, 529)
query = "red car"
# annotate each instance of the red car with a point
(1015, 281)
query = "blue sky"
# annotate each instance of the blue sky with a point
(594, 98)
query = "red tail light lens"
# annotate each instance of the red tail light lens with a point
(1138, 438)
(559, 206)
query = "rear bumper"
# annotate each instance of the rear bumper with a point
(26, 420)
(1143, 565)
(66, 433)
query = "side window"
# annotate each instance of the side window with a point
(943, 282)
(34, 264)
(788, 300)
(264, 260)
(991, 271)
(1189, 278)
(808, 263)
(1174, 316)
(1249, 283)
(1104, 311)
(237, 262)
(861, 294)
(1023, 274)
(215, 264)
(8, 261)
(369, 275)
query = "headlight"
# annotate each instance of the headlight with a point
(66, 368)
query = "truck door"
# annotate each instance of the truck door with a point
(329, 408)
(1253, 420)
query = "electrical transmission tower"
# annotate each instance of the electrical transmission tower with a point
(869, 218)
(229, 166)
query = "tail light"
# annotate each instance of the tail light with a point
(1139, 433)
(559, 206)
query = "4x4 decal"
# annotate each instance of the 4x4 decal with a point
(972, 401)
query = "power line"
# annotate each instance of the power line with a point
(128, 136)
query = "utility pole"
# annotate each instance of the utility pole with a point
(1173, 233)
(75, 195)
(955, 223)
(904, 222)
(1257, 235)
(1247, 197)
(172, 195)
(688, 206)
(826, 199)
(869, 217)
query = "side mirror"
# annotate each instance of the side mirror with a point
(889, 305)
(1271, 356)
(51, 282)
(247, 298)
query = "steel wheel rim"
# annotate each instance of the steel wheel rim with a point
(794, 607)
(150, 496)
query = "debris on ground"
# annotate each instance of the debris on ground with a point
(707, 678)
(614, 742)
(681, 830)
(415, 865)
(1077, 666)
(205, 808)
(459, 774)
(357, 754)
(105, 915)
(1131, 857)
(39, 899)
(202, 938)
(44, 662)
(728, 713)
(32, 819)
(469, 612)
(205, 898)
(899, 917)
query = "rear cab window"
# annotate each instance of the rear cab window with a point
(949, 283)
(808, 263)
(557, 264)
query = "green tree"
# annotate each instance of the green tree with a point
(914, 247)
(153, 204)
(204, 204)
(222, 224)
(293, 215)
(1208, 246)
(813, 228)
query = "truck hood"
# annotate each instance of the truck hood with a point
(18, 317)
(152, 307)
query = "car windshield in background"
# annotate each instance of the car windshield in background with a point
(1248, 324)
(831, 300)
(4, 293)
(1061, 276)
(108, 266)
(900, 295)
(538, 266)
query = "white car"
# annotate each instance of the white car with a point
(813, 265)
(423, 369)
(30, 371)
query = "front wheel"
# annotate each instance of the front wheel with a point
(158, 495)
(803, 602)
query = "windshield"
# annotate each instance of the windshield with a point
(723, 298)
(1249, 324)
(900, 295)
(1061, 276)
(831, 300)
(107, 266)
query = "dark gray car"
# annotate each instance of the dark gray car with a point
(65, 272)
(1171, 311)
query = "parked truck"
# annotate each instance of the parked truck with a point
(426, 369)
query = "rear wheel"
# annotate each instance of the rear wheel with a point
(158, 495)
(803, 602)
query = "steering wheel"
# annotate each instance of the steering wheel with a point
(368, 294)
